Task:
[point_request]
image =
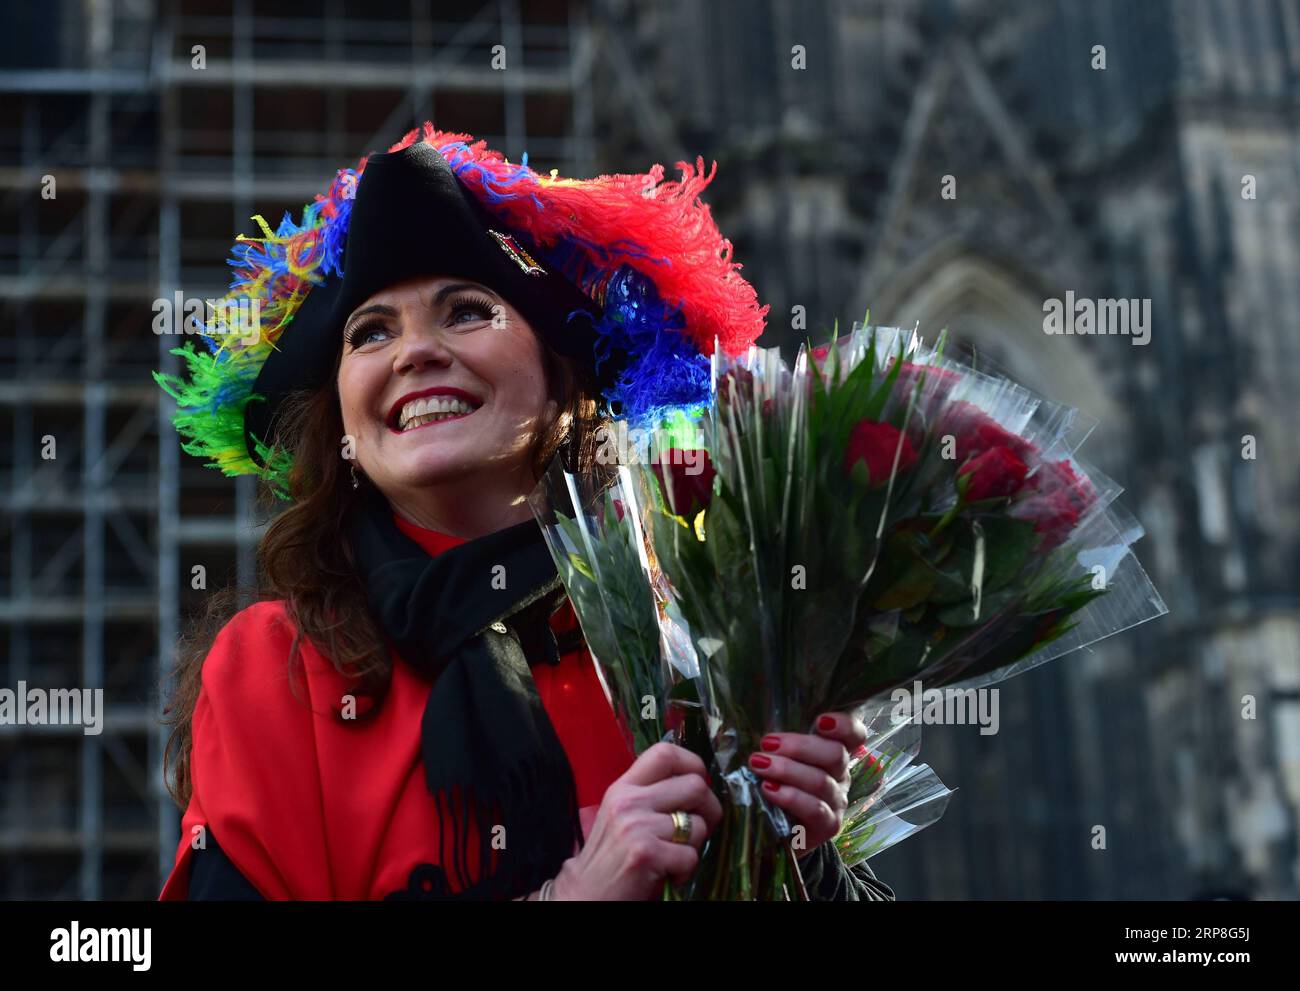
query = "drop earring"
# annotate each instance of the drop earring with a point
(352, 466)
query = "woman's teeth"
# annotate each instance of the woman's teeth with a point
(421, 411)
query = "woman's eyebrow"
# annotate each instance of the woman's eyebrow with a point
(452, 287)
(386, 310)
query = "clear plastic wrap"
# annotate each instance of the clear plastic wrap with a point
(876, 516)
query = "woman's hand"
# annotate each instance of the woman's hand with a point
(630, 850)
(808, 775)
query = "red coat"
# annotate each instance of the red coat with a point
(308, 806)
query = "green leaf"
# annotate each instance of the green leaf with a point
(948, 586)
(910, 579)
(990, 605)
(886, 388)
(1008, 543)
(860, 475)
(892, 666)
(581, 566)
(727, 543)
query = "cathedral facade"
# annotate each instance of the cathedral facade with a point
(975, 166)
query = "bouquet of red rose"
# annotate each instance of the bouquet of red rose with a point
(595, 528)
(875, 517)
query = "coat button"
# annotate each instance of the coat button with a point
(499, 627)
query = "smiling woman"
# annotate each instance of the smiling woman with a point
(408, 709)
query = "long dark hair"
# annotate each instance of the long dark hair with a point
(302, 561)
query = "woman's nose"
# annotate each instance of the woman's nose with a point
(421, 346)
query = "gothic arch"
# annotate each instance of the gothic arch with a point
(996, 307)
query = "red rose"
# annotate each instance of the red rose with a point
(1060, 476)
(1054, 517)
(994, 474)
(819, 362)
(686, 480)
(1059, 499)
(938, 383)
(602, 513)
(742, 379)
(975, 432)
(875, 444)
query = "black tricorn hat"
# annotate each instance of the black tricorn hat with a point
(412, 216)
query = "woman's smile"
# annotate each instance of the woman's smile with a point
(428, 406)
(429, 419)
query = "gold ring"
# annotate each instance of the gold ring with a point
(681, 827)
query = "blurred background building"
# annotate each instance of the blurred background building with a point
(1169, 174)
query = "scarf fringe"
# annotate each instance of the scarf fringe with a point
(534, 849)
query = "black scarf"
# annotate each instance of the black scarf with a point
(485, 737)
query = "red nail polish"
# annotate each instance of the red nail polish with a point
(771, 742)
(758, 760)
(826, 723)
(771, 785)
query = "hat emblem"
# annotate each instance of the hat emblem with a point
(516, 251)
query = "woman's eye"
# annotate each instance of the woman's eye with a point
(364, 334)
(477, 310)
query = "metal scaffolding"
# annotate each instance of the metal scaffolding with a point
(165, 127)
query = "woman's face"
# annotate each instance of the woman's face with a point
(441, 380)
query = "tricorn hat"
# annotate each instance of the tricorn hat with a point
(625, 272)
